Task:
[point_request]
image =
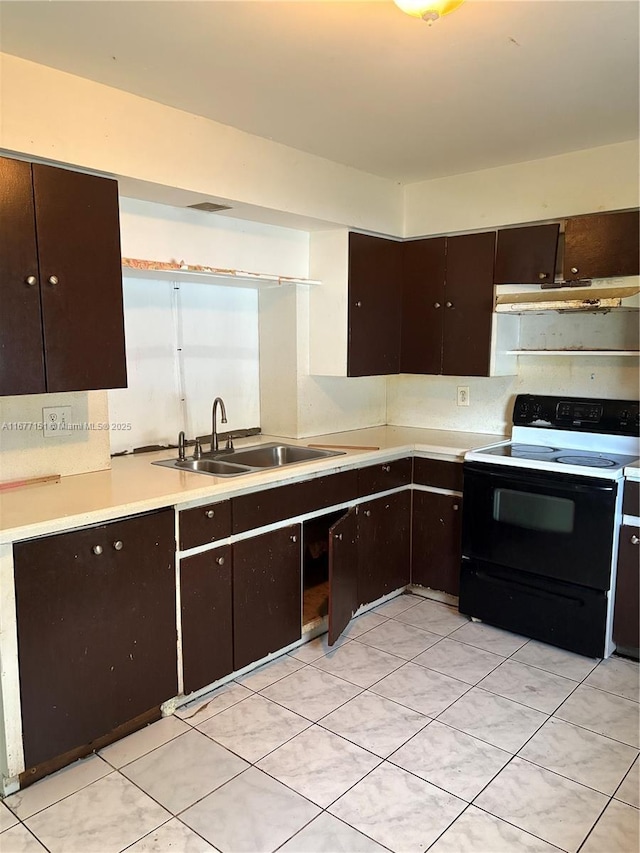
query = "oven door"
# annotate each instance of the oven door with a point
(555, 525)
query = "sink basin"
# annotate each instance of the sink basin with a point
(276, 455)
(231, 463)
(206, 466)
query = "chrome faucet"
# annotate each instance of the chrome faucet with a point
(214, 430)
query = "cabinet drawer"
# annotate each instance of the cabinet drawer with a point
(271, 505)
(438, 472)
(204, 524)
(383, 476)
(631, 500)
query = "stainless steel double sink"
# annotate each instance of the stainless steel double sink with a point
(247, 460)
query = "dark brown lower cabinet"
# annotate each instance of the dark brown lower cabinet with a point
(96, 631)
(267, 606)
(626, 617)
(207, 626)
(343, 573)
(384, 545)
(436, 541)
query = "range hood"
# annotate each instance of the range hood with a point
(607, 297)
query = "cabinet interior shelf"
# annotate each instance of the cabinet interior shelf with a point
(172, 271)
(574, 352)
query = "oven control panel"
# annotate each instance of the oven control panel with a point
(616, 417)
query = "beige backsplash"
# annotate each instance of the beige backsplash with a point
(24, 452)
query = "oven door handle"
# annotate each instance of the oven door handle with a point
(545, 479)
(528, 589)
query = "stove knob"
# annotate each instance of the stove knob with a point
(624, 415)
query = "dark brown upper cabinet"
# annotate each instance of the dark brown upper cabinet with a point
(423, 278)
(62, 324)
(375, 305)
(601, 246)
(448, 305)
(527, 255)
(468, 306)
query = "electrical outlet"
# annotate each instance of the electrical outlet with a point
(55, 421)
(463, 395)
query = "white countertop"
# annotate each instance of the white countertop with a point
(134, 485)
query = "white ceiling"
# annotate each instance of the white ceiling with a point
(360, 82)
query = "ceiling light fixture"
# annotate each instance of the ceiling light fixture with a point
(428, 10)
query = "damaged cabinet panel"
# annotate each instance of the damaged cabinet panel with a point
(267, 606)
(436, 541)
(96, 631)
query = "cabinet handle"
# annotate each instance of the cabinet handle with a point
(209, 513)
(118, 545)
(358, 304)
(31, 280)
(543, 275)
(338, 536)
(386, 468)
(574, 269)
(367, 513)
(436, 304)
(97, 549)
(456, 507)
(448, 304)
(220, 561)
(294, 538)
(53, 279)
(634, 540)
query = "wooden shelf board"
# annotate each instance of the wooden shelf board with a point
(138, 268)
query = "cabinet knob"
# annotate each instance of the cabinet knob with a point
(448, 304)
(294, 538)
(358, 304)
(31, 280)
(367, 513)
(97, 549)
(118, 545)
(436, 304)
(220, 561)
(543, 275)
(53, 279)
(634, 540)
(574, 269)
(386, 468)
(456, 507)
(209, 513)
(338, 536)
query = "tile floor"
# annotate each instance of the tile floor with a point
(418, 731)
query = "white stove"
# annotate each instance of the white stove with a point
(541, 519)
(589, 438)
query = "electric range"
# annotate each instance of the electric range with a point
(541, 516)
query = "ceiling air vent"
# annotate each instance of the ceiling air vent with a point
(209, 207)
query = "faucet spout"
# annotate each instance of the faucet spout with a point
(214, 430)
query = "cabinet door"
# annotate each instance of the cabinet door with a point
(626, 618)
(79, 248)
(527, 255)
(267, 594)
(383, 546)
(384, 476)
(207, 629)
(601, 246)
(423, 276)
(343, 573)
(375, 305)
(96, 631)
(436, 536)
(468, 303)
(21, 354)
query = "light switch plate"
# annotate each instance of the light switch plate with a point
(55, 421)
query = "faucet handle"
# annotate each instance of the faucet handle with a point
(229, 444)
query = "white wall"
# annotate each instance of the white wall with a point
(64, 118)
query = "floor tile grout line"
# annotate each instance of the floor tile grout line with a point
(515, 826)
(129, 846)
(568, 778)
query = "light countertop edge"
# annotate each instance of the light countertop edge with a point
(133, 485)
